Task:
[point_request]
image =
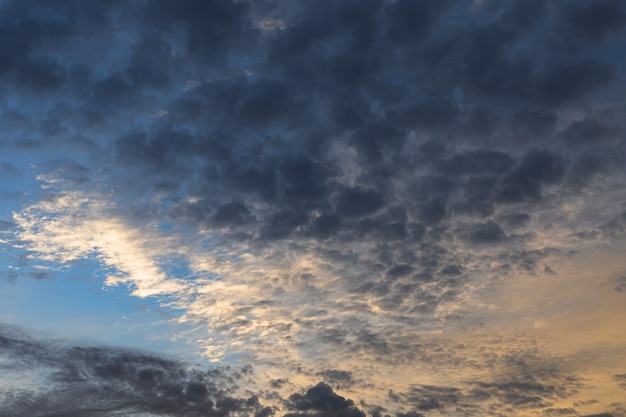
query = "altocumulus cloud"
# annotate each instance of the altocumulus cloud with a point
(419, 202)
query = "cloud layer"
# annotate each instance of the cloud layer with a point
(420, 203)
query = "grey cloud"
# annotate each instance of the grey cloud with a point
(428, 397)
(594, 20)
(523, 14)
(283, 223)
(325, 226)
(399, 270)
(160, 152)
(572, 80)
(527, 260)
(599, 415)
(515, 219)
(476, 197)
(382, 230)
(265, 102)
(478, 162)
(106, 381)
(210, 28)
(620, 283)
(232, 214)
(616, 227)
(374, 141)
(435, 113)
(25, 33)
(523, 380)
(114, 90)
(587, 164)
(321, 401)
(433, 211)
(305, 182)
(409, 414)
(488, 233)
(521, 394)
(561, 411)
(538, 167)
(620, 379)
(355, 202)
(40, 73)
(411, 21)
(337, 375)
(451, 270)
(282, 177)
(586, 132)
(533, 122)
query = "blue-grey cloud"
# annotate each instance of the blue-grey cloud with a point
(343, 175)
(107, 381)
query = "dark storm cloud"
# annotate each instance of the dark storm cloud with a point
(105, 381)
(321, 401)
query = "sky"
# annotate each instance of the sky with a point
(330, 208)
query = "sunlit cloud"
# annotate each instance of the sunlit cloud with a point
(72, 226)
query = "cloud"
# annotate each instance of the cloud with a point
(82, 228)
(593, 21)
(330, 186)
(525, 182)
(107, 381)
(321, 401)
(620, 379)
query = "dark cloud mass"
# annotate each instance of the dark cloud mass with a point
(321, 401)
(105, 381)
(375, 163)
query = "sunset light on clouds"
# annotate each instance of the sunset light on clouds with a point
(335, 208)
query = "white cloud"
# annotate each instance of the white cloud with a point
(73, 226)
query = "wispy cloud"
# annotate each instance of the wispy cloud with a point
(72, 226)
